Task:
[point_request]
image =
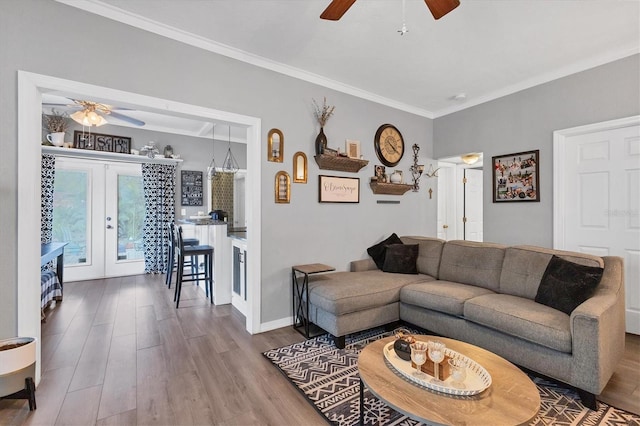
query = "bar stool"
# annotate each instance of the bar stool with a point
(186, 251)
(171, 258)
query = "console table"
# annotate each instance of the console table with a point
(50, 251)
(300, 300)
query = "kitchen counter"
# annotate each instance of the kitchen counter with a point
(238, 235)
(205, 221)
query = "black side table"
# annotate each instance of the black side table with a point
(300, 300)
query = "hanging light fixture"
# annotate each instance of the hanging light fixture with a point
(211, 170)
(230, 164)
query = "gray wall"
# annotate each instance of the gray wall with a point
(53, 39)
(526, 121)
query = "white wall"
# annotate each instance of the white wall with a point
(49, 38)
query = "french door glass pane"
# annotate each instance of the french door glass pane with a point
(130, 217)
(70, 214)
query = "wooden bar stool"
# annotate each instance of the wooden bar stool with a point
(171, 258)
(187, 251)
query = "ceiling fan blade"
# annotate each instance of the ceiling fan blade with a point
(439, 8)
(126, 118)
(47, 104)
(336, 9)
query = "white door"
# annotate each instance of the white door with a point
(446, 201)
(239, 276)
(600, 187)
(473, 222)
(99, 211)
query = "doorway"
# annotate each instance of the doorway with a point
(460, 199)
(99, 211)
(31, 86)
(596, 171)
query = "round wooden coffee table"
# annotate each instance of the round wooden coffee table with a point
(512, 397)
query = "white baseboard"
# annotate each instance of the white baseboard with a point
(273, 325)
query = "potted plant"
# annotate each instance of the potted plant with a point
(55, 124)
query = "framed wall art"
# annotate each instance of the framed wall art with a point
(282, 188)
(300, 167)
(101, 142)
(191, 182)
(516, 177)
(337, 189)
(275, 146)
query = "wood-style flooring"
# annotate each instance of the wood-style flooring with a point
(117, 352)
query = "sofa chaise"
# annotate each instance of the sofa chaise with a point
(485, 294)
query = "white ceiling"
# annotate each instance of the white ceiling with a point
(484, 48)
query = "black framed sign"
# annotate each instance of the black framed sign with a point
(191, 184)
(101, 142)
(516, 177)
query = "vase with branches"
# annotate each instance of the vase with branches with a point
(55, 124)
(322, 114)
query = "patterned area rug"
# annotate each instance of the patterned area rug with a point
(328, 377)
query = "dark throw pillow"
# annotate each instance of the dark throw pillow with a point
(377, 251)
(565, 285)
(401, 258)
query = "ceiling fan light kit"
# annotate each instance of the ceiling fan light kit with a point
(88, 118)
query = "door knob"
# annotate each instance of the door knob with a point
(445, 226)
(108, 218)
(109, 227)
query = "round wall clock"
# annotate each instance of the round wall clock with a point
(389, 145)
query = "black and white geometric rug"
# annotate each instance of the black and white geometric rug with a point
(328, 377)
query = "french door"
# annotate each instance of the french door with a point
(99, 211)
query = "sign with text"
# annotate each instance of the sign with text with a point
(336, 189)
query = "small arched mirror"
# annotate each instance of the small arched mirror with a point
(275, 146)
(299, 167)
(282, 187)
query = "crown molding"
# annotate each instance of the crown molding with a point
(577, 67)
(97, 7)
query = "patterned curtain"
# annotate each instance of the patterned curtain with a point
(159, 183)
(48, 172)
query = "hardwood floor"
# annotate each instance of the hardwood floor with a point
(117, 352)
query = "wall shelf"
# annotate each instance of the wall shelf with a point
(103, 155)
(342, 164)
(389, 188)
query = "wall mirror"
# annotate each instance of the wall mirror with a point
(299, 167)
(275, 146)
(282, 187)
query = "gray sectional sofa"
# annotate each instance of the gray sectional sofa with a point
(484, 294)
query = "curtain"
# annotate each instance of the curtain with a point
(159, 183)
(48, 171)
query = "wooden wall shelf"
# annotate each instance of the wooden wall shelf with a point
(389, 188)
(342, 164)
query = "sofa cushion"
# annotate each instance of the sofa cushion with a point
(565, 285)
(377, 251)
(474, 263)
(344, 292)
(401, 258)
(523, 318)
(442, 296)
(428, 255)
(524, 266)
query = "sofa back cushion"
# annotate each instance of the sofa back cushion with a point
(470, 262)
(524, 267)
(429, 253)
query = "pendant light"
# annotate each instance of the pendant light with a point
(230, 164)
(211, 170)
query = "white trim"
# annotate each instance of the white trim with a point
(106, 156)
(30, 89)
(274, 325)
(559, 146)
(138, 21)
(117, 14)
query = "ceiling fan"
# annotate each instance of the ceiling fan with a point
(93, 113)
(438, 8)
